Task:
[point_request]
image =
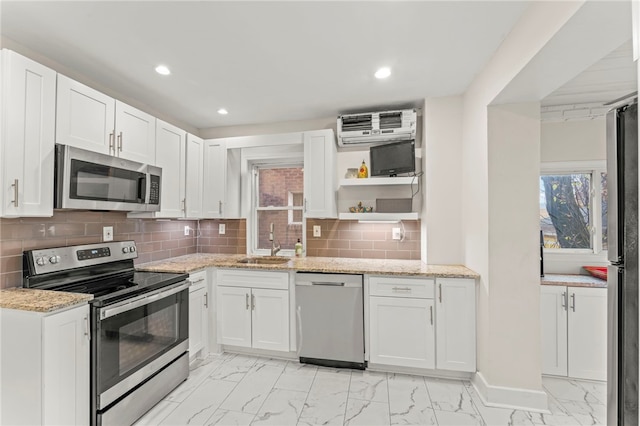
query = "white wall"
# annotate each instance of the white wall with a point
(579, 140)
(499, 365)
(269, 128)
(442, 152)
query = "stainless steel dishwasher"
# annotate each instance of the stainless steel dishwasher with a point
(329, 319)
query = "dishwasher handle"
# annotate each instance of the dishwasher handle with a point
(337, 284)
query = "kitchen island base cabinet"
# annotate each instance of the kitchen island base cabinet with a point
(253, 317)
(455, 324)
(574, 331)
(401, 332)
(45, 367)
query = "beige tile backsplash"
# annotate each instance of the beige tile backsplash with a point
(161, 239)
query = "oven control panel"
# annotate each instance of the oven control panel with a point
(56, 259)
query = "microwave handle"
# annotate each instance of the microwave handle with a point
(142, 189)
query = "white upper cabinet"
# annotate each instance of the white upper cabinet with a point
(85, 117)
(215, 179)
(27, 138)
(89, 119)
(171, 156)
(193, 191)
(135, 134)
(320, 174)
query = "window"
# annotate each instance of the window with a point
(278, 195)
(573, 207)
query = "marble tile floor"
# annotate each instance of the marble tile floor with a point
(233, 389)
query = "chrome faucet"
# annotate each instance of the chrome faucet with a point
(274, 248)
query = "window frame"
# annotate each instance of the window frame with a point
(255, 200)
(594, 168)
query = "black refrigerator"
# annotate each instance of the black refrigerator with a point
(622, 285)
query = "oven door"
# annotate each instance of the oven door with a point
(89, 180)
(135, 339)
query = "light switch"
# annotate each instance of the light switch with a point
(395, 234)
(222, 229)
(186, 230)
(316, 231)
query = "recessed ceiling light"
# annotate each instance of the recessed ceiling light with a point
(383, 73)
(163, 70)
(223, 111)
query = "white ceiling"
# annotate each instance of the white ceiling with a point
(280, 61)
(266, 61)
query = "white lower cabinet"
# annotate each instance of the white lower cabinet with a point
(456, 324)
(253, 309)
(45, 367)
(198, 314)
(401, 321)
(574, 331)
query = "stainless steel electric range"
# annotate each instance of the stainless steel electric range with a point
(139, 324)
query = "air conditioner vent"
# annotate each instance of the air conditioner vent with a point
(357, 122)
(375, 127)
(391, 120)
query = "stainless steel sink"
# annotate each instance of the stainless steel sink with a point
(265, 260)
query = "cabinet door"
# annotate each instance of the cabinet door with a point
(135, 134)
(402, 332)
(215, 179)
(66, 367)
(270, 322)
(197, 313)
(456, 324)
(234, 316)
(171, 156)
(194, 176)
(84, 117)
(27, 152)
(553, 329)
(320, 174)
(587, 346)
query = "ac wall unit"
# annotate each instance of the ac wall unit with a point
(371, 127)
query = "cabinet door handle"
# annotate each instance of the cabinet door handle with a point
(184, 205)
(431, 311)
(246, 301)
(573, 300)
(120, 142)
(397, 289)
(305, 205)
(206, 300)
(253, 302)
(440, 292)
(563, 301)
(220, 206)
(15, 192)
(112, 143)
(86, 328)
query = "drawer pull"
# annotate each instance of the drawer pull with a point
(431, 311)
(246, 301)
(398, 289)
(440, 292)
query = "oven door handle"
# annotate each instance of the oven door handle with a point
(145, 299)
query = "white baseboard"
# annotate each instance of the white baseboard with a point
(513, 398)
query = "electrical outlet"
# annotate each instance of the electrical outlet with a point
(107, 233)
(316, 231)
(186, 230)
(395, 234)
(222, 229)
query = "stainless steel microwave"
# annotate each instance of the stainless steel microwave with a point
(93, 181)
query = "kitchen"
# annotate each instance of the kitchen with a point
(452, 230)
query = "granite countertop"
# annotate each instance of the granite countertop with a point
(28, 299)
(573, 280)
(194, 262)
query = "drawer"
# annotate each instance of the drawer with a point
(198, 280)
(252, 279)
(401, 287)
